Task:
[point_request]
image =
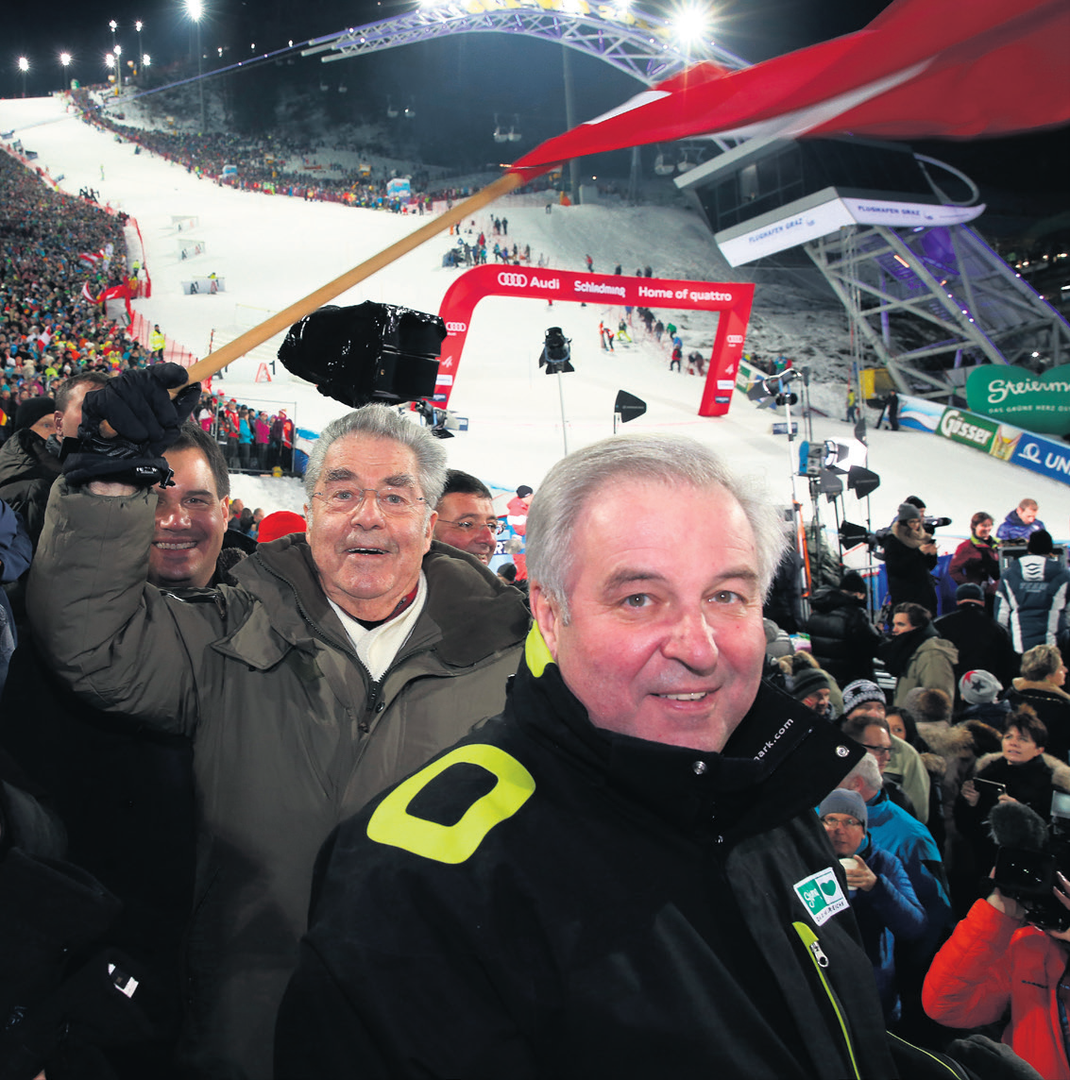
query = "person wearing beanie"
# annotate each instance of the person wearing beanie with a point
(864, 706)
(980, 640)
(863, 695)
(979, 687)
(909, 556)
(38, 414)
(979, 692)
(813, 688)
(879, 891)
(843, 639)
(26, 466)
(1033, 596)
(976, 560)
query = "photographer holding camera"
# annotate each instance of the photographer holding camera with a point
(1012, 949)
(910, 555)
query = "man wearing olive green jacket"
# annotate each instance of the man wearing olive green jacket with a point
(335, 666)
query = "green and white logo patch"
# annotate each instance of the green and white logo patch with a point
(821, 895)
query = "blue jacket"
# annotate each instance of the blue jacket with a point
(1031, 601)
(892, 829)
(1013, 528)
(889, 912)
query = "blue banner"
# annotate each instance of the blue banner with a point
(1045, 456)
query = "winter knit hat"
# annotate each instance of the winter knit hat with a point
(809, 681)
(970, 591)
(855, 693)
(32, 409)
(523, 491)
(908, 512)
(979, 687)
(844, 801)
(853, 582)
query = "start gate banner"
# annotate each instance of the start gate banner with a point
(733, 300)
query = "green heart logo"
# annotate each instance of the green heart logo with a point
(1039, 403)
(829, 887)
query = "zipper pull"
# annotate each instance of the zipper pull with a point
(819, 953)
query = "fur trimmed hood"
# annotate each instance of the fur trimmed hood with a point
(903, 533)
(1060, 770)
(948, 740)
(1048, 688)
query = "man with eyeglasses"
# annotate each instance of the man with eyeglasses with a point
(880, 893)
(864, 702)
(466, 518)
(621, 875)
(341, 660)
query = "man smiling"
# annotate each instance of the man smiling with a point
(622, 875)
(329, 668)
(466, 517)
(191, 514)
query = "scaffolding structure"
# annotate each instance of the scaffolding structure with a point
(948, 294)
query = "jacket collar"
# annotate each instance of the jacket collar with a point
(469, 613)
(747, 789)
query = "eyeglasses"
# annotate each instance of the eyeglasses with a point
(391, 501)
(468, 525)
(878, 751)
(841, 822)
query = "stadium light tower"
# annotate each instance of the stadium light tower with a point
(118, 50)
(65, 60)
(690, 23)
(140, 54)
(24, 66)
(195, 9)
(114, 26)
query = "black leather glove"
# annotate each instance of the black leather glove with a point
(146, 420)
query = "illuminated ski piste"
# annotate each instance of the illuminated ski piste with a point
(273, 250)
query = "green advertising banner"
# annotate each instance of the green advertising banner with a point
(973, 431)
(1039, 403)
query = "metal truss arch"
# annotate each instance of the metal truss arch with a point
(641, 45)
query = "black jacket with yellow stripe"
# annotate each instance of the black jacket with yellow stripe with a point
(551, 900)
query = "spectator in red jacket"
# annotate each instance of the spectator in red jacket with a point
(975, 560)
(995, 960)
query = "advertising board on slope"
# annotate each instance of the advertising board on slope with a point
(971, 430)
(1034, 452)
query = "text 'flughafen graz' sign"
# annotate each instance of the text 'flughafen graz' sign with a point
(1039, 403)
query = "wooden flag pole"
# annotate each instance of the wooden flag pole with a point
(283, 320)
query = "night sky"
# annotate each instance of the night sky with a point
(457, 85)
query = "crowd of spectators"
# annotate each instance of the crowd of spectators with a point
(54, 250)
(961, 718)
(266, 163)
(911, 823)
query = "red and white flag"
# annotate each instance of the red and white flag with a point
(923, 69)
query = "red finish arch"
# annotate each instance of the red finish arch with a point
(733, 300)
